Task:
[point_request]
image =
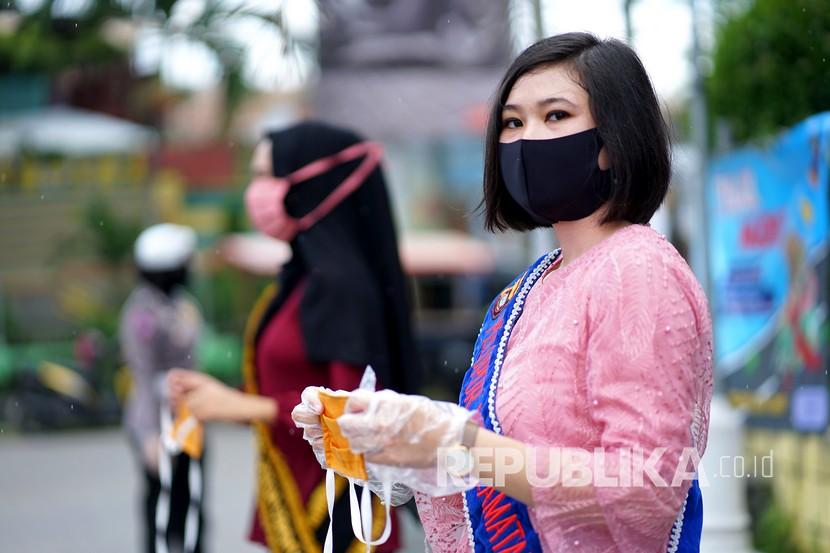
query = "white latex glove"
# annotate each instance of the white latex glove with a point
(401, 493)
(401, 430)
(306, 416)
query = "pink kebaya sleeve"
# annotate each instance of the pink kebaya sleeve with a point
(648, 379)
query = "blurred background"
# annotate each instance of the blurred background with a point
(117, 114)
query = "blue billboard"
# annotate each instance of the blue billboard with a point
(768, 213)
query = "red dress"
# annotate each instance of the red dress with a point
(282, 371)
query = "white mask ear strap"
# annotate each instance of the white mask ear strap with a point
(354, 510)
(329, 547)
(387, 503)
(362, 516)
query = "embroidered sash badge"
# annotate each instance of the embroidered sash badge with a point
(505, 297)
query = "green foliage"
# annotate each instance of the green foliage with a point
(235, 214)
(226, 297)
(105, 317)
(220, 355)
(774, 531)
(6, 365)
(42, 43)
(771, 65)
(10, 322)
(112, 236)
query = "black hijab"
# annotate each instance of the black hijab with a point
(354, 308)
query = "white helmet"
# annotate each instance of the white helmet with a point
(164, 247)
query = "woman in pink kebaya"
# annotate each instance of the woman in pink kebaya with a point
(598, 357)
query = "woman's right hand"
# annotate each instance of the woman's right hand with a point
(206, 398)
(306, 415)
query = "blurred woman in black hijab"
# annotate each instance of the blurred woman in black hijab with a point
(339, 305)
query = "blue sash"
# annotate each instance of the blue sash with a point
(497, 523)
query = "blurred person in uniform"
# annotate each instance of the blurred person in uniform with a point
(338, 305)
(159, 328)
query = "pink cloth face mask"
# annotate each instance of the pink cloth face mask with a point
(265, 196)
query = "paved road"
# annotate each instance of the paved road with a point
(78, 493)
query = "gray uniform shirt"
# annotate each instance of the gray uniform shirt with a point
(156, 333)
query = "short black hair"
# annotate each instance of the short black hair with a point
(627, 115)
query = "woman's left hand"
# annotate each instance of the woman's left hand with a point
(401, 430)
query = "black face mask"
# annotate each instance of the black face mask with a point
(557, 179)
(167, 281)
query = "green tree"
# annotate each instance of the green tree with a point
(43, 42)
(771, 64)
(112, 236)
(47, 40)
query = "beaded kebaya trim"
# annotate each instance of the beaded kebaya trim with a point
(531, 279)
(508, 327)
(677, 530)
(470, 535)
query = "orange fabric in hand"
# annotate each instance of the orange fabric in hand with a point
(187, 432)
(339, 457)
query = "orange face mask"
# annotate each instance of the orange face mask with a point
(186, 434)
(341, 459)
(338, 455)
